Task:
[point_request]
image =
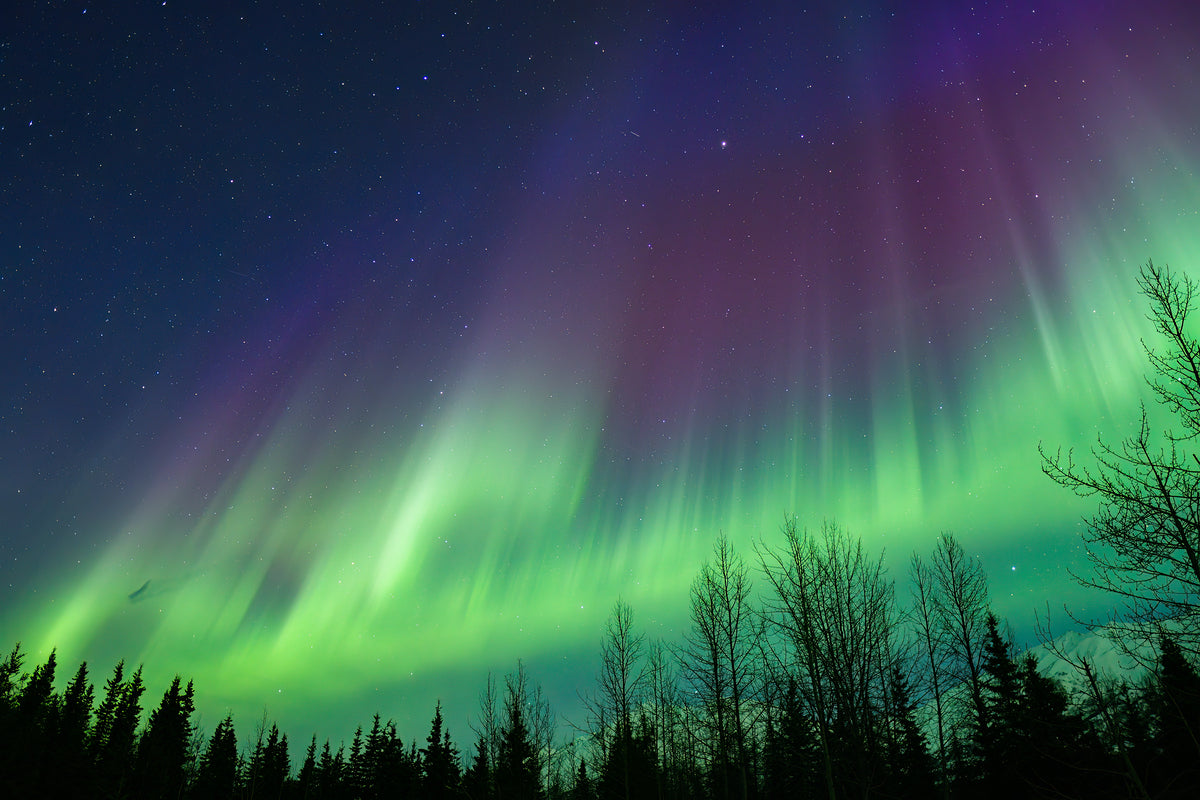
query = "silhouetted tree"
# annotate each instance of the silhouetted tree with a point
(114, 735)
(70, 773)
(477, 780)
(163, 747)
(790, 753)
(934, 654)
(517, 771)
(388, 769)
(219, 769)
(439, 761)
(306, 778)
(10, 684)
(331, 773)
(834, 606)
(1063, 753)
(960, 602)
(719, 658)
(582, 790)
(33, 726)
(666, 710)
(622, 678)
(270, 765)
(998, 730)
(1144, 540)
(910, 768)
(1174, 702)
(630, 768)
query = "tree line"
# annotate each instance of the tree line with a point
(804, 672)
(818, 684)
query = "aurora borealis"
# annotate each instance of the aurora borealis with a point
(352, 354)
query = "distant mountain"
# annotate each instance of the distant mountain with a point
(1108, 659)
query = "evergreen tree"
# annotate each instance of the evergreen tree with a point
(439, 761)
(114, 736)
(218, 776)
(477, 780)
(911, 768)
(582, 790)
(106, 712)
(331, 773)
(371, 756)
(10, 673)
(389, 769)
(356, 775)
(789, 752)
(1062, 754)
(71, 773)
(630, 769)
(306, 779)
(269, 766)
(163, 747)
(33, 728)
(997, 733)
(1175, 708)
(1131, 733)
(518, 775)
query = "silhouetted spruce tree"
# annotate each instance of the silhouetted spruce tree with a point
(1062, 753)
(371, 757)
(998, 733)
(218, 776)
(1130, 733)
(518, 773)
(10, 685)
(163, 747)
(582, 788)
(1175, 711)
(269, 765)
(630, 770)
(106, 712)
(439, 761)
(790, 758)
(356, 774)
(910, 768)
(10, 672)
(331, 773)
(114, 734)
(306, 778)
(391, 769)
(477, 780)
(71, 774)
(33, 725)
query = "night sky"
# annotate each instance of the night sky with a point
(349, 354)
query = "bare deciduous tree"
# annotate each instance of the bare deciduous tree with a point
(720, 659)
(835, 606)
(931, 644)
(1144, 541)
(621, 689)
(960, 601)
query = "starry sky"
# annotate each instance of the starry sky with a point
(350, 354)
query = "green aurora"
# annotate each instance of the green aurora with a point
(372, 539)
